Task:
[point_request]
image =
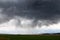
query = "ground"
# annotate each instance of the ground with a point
(29, 37)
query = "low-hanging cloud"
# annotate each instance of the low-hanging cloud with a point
(40, 11)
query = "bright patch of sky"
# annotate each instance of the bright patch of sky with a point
(11, 28)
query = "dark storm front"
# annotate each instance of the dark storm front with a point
(39, 9)
(32, 9)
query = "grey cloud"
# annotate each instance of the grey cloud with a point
(32, 9)
(46, 10)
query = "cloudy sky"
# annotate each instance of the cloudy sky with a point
(29, 16)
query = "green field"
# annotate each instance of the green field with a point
(29, 37)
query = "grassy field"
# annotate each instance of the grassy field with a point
(29, 37)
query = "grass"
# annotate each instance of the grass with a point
(29, 37)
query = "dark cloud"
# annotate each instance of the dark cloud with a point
(38, 9)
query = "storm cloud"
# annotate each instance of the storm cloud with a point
(46, 11)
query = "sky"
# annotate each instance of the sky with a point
(11, 28)
(29, 16)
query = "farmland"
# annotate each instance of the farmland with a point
(29, 37)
